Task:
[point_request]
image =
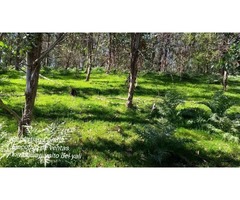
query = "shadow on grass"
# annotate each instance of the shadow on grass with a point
(86, 114)
(173, 153)
(121, 154)
(13, 74)
(81, 92)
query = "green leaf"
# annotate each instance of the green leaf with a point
(2, 44)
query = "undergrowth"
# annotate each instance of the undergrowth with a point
(193, 124)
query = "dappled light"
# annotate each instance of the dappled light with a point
(119, 100)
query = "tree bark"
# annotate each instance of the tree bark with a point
(135, 47)
(48, 44)
(225, 79)
(32, 77)
(90, 48)
(17, 56)
(34, 58)
(109, 53)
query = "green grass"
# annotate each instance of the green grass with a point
(106, 130)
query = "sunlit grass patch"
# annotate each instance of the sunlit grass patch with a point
(107, 131)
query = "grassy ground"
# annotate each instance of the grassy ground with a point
(107, 131)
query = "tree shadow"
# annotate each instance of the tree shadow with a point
(120, 154)
(173, 153)
(81, 91)
(85, 114)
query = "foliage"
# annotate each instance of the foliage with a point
(219, 120)
(167, 107)
(157, 136)
(154, 138)
(230, 137)
(193, 117)
(46, 147)
(108, 137)
(219, 103)
(230, 53)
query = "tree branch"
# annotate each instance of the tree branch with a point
(44, 54)
(15, 115)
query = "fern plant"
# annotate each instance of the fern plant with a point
(219, 103)
(167, 108)
(219, 121)
(157, 136)
(154, 138)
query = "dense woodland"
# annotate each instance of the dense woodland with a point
(119, 99)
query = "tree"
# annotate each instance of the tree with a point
(34, 58)
(110, 52)
(17, 52)
(229, 56)
(135, 47)
(32, 76)
(90, 51)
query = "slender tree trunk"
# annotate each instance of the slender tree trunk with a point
(34, 58)
(163, 61)
(73, 43)
(135, 45)
(68, 62)
(48, 44)
(17, 57)
(225, 79)
(17, 60)
(32, 76)
(109, 53)
(90, 48)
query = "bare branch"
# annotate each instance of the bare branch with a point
(44, 54)
(13, 113)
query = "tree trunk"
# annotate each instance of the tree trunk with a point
(225, 79)
(32, 76)
(163, 61)
(109, 53)
(135, 45)
(48, 44)
(34, 58)
(17, 60)
(17, 57)
(90, 48)
(67, 63)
